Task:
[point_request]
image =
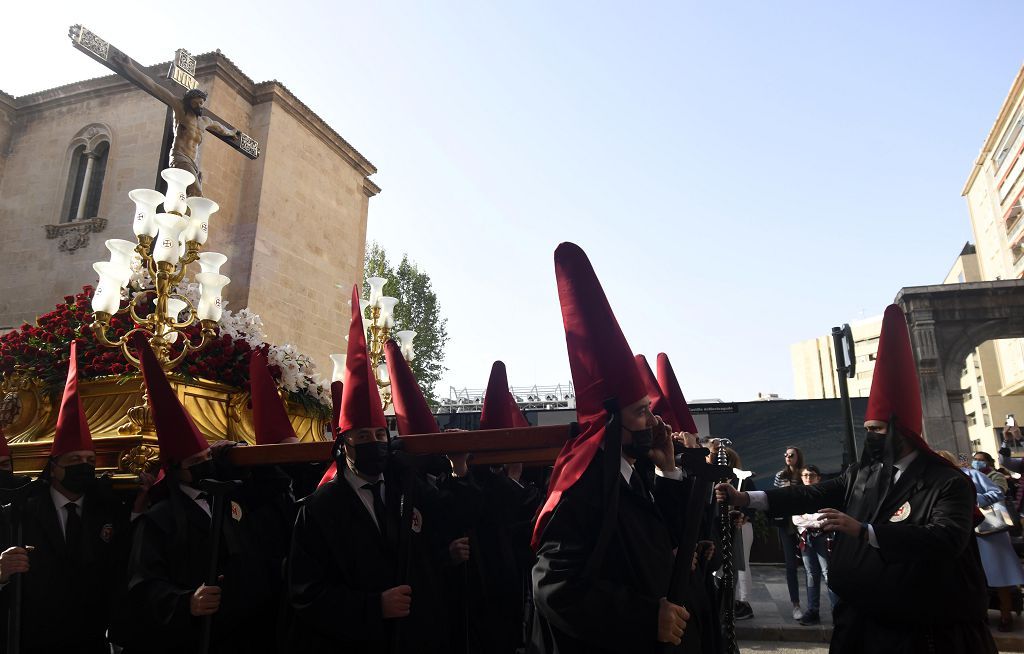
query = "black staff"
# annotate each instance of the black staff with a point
(701, 476)
(15, 498)
(218, 492)
(728, 565)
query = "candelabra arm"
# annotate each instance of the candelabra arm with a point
(209, 331)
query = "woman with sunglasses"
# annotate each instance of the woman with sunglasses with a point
(790, 476)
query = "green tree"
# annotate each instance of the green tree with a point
(417, 310)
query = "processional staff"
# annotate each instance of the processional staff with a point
(725, 526)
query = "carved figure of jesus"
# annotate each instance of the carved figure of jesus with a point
(189, 121)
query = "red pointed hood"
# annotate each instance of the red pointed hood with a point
(895, 392)
(176, 433)
(518, 417)
(329, 474)
(602, 367)
(72, 427)
(269, 417)
(360, 399)
(497, 411)
(669, 386)
(411, 409)
(659, 403)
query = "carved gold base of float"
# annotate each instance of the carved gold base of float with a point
(121, 426)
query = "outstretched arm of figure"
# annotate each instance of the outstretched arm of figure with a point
(148, 84)
(787, 501)
(221, 129)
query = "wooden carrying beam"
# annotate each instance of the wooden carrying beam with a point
(536, 445)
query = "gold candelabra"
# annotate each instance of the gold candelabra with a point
(167, 243)
(163, 328)
(381, 329)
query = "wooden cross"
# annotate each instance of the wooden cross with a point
(177, 91)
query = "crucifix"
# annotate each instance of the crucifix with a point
(181, 93)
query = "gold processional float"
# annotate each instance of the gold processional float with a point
(141, 289)
(115, 406)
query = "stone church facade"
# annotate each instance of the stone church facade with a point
(292, 222)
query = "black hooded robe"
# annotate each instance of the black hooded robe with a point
(68, 597)
(616, 609)
(922, 589)
(169, 561)
(339, 565)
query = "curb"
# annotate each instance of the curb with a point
(823, 634)
(785, 632)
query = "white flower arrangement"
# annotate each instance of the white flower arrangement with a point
(298, 371)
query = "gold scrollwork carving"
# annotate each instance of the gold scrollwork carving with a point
(139, 459)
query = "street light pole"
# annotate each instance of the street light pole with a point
(842, 341)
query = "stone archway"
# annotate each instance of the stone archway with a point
(947, 321)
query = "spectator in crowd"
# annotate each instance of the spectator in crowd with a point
(984, 463)
(790, 476)
(1002, 567)
(814, 547)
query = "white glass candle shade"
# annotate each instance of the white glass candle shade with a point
(211, 285)
(146, 201)
(376, 288)
(210, 262)
(106, 298)
(382, 373)
(363, 304)
(178, 181)
(118, 273)
(174, 308)
(121, 252)
(405, 338)
(339, 367)
(166, 247)
(200, 210)
(387, 306)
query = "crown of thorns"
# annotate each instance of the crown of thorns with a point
(195, 93)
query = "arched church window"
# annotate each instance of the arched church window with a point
(87, 169)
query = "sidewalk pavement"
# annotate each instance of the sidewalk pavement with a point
(773, 616)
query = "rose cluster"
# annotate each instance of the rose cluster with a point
(42, 351)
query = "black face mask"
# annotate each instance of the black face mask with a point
(874, 446)
(202, 470)
(371, 458)
(79, 477)
(641, 445)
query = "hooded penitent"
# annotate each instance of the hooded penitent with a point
(269, 417)
(5, 449)
(177, 436)
(411, 409)
(72, 428)
(498, 412)
(895, 394)
(671, 391)
(360, 400)
(602, 367)
(660, 405)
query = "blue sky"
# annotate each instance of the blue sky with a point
(708, 156)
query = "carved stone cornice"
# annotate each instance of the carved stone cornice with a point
(209, 64)
(74, 235)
